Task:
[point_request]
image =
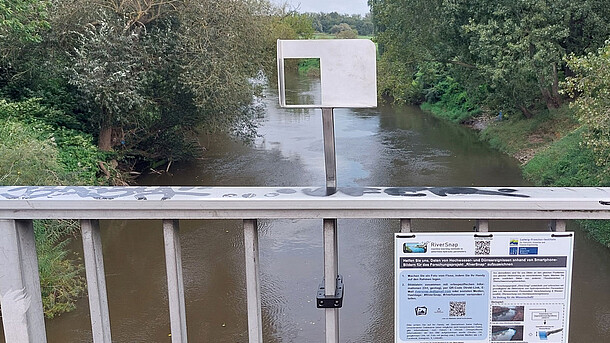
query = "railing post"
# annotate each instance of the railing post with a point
(253, 288)
(175, 283)
(482, 225)
(21, 301)
(405, 225)
(96, 281)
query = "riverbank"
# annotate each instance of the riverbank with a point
(38, 148)
(549, 149)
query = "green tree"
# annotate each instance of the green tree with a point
(108, 70)
(591, 87)
(324, 22)
(287, 24)
(340, 27)
(21, 22)
(344, 31)
(153, 73)
(513, 49)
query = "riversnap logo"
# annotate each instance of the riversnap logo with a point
(417, 248)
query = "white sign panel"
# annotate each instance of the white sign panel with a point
(483, 287)
(348, 70)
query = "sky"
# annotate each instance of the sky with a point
(326, 6)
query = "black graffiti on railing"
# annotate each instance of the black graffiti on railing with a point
(414, 191)
(444, 191)
(351, 191)
(102, 193)
(166, 193)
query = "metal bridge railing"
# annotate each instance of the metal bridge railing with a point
(19, 281)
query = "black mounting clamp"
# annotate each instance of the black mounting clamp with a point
(330, 301)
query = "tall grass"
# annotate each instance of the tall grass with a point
(518, 134)
(35, 152)
(61, 279)
(569, 163)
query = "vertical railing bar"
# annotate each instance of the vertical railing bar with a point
(331, 269)
(557, 225)
(22, 313)
(482, 225)
(253, 288)
(175, 283)
(405, 225)
(96, 281)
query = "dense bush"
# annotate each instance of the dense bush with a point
(26, 159)
(35, 141)
(511, 53)
(36, 150)
(591, 87)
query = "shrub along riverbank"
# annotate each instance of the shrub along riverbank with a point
(37, 149)
(550, 149)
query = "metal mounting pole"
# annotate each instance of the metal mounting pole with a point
(557, 225)
(405, 225)
(330, 160)
(331, 256)
(331, 269)
(482, 225)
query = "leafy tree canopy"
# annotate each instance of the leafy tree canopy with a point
(513, 50)
(21, 22)
(591, 86)
(149, 73)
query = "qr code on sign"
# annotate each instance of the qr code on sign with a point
(457, 308)
(481, 247)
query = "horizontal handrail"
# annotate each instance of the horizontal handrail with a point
(303, 202)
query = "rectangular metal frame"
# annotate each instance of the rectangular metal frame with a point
(348, 71)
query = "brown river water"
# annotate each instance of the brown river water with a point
(387, 146)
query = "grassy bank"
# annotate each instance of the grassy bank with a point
(453, 114)
(567, 162)
(38, 149)
(309, 67)
(524, 138)
(549, 148)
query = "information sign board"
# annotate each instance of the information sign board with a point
(483, 287)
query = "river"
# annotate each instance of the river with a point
(387, 146)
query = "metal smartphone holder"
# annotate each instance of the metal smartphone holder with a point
(348, 79)
(348, 71)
